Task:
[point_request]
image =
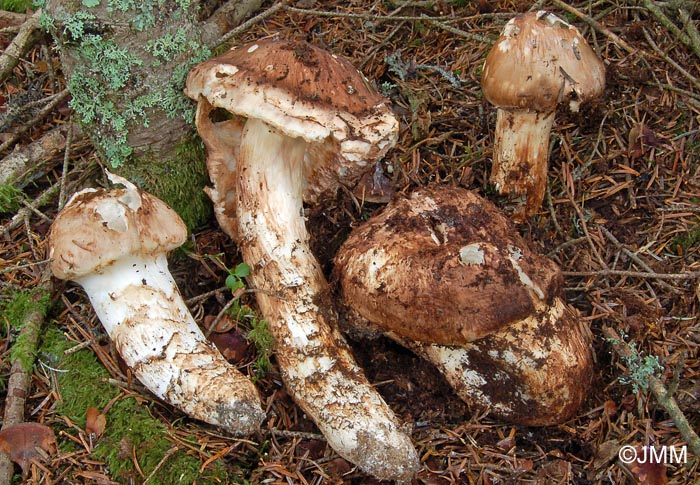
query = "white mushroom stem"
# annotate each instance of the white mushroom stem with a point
(140, 306)
(293, 295)
(520, 154)
(532, 372)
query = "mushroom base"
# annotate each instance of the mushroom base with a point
(139, 305)
(520, 154)
(537, 372)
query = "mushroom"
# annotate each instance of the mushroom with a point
(114, 244)
(538, 62)
(444, 273)
(284, 122)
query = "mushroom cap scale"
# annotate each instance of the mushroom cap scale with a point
(98, 227)
(301, 91)
(444, 267)
(538, 62)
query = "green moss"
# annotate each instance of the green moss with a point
(10, 198)
(259, 334)
(82, 383)
(15, 310)
(19, 6)
(686, 240)
(178, 181)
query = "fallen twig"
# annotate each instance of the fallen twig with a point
(692, 275)
(365, 16)
(12, 19)
(597, 26)
(32, 161)
(43, 199)
(664, 20)
(159, 465)
(691, 29)
(40, 201)
(662, 395)
(20, 375)
(460, 32)
(252, 21)
(230, 14)
(670, 61)
(45, 111)
(20, 45)
(611, 237)
(62, 195)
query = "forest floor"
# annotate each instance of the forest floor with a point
(621, 219)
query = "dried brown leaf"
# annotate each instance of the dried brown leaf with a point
(641, 138)
(95, 422)
(23, 442)
(507, 443)
(648, 469)
(232, 345)
(223, 325)
(610, 408)
(606, 452)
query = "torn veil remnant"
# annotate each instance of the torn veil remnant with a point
(538, 62)
(114, 244)
(444, 273)
(283, 122)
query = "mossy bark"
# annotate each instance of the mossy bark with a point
(177, 177)
(125, 64)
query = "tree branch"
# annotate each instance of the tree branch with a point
(21, 376)
(636, 274)
(662, 395)
(22, 166)
(56, 99)
(20, 45)
(11, 19)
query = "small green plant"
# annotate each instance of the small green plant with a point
(234, 280)
(640, 369)
(262, 338)
(386, 88)
(259, 334)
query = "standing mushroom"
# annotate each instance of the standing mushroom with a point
(283, 122)
(444, 273)
(538, 62)
(114, 244)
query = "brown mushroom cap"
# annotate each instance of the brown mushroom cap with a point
(443, 266)
(301, 91)
(540, 61)
(98, 227)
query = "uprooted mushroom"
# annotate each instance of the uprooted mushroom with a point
(284, 122)
(538, 62)
(444, 273)
(114, 244)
